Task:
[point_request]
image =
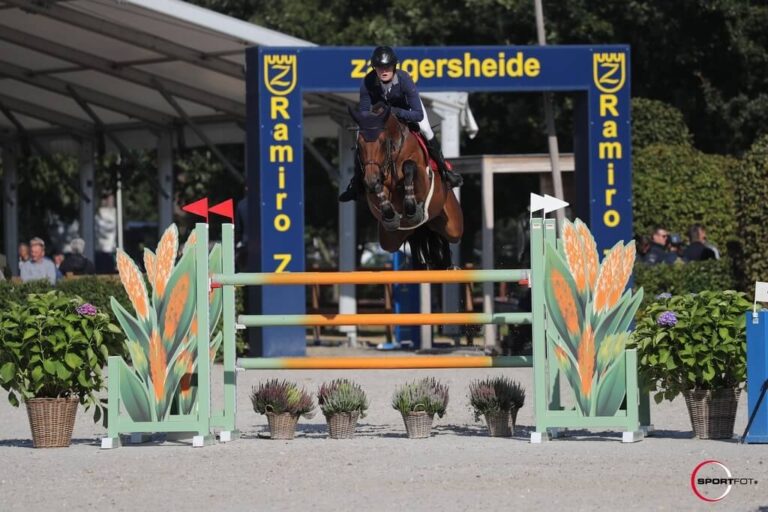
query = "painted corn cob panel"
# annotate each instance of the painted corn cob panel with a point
(589, 312)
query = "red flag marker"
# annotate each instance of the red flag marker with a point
(199, 208)
(225, 209)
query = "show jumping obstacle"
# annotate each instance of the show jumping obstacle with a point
(598, 376)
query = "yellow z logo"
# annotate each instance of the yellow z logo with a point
(284, 260)
(609, 71)
(280, 73)
(360, 68)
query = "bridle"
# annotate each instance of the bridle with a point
(388, 166)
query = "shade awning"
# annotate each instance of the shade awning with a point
(132, 68)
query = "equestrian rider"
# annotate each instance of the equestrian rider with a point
(394, 87)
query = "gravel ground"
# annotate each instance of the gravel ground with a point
(459, 468)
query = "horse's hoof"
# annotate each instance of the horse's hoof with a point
(410, 208)
(415, 218)
(391, 224)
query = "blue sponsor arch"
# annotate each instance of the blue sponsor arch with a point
(278, 76)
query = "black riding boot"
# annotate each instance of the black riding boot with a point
(451, 178)
(354, 188)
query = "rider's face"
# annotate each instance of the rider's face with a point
(385, 74)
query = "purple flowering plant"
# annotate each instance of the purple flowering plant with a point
(55, 346)
(87, 309)
(667, 319)
(695, 341)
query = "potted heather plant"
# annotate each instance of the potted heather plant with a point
(282, 402)
(695, 345)
(342, 403)
(418, 402)
(52, 350)
(498, 399)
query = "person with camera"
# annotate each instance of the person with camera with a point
(657, 252)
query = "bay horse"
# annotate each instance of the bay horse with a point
(407, 197)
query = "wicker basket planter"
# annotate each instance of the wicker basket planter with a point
(282, 426)
(341, 425)
(513, 419)
(51, 421)
(498, 423)
(712, 413)
(418, 425)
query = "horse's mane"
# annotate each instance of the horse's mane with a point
(373, 122)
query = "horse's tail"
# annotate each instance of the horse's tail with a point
(429, 250)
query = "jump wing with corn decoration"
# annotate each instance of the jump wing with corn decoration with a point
(161, 334)
(589, 313)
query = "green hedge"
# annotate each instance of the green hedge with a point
(751, 181)
(11, 292)
(682, 278)
(655, 122)
(677, 186)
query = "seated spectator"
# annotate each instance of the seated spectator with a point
(675, 244)
(57, 258)
(642, 244)
(23, 252)
(75, 263)
(657, 252)
(38, 266)
(699, 249)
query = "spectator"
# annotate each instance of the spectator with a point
(38, 266)
(57, 258)
(75, 263)
(675, 245)
(657, 252)
(699, 249)
(643, 244)
(23, 252)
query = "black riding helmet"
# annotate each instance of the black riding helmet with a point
(383, 56)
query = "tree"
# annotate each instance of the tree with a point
(655, 122)
(707, 58)
(751, 179)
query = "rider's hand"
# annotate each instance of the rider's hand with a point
(397, 112)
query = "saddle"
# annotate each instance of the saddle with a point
(423, 143)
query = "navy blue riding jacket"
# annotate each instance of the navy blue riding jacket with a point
(402, 96)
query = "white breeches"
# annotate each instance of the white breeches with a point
(424, 125)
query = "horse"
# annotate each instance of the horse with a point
(407, 197)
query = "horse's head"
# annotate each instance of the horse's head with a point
(373, 146)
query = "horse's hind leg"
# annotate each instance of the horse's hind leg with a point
(450, 222)
(409, 203)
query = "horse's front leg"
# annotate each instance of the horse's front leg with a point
(390, 219)
(409, 201)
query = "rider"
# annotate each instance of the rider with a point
(394, 87)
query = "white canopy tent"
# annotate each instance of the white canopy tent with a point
(142, 74)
